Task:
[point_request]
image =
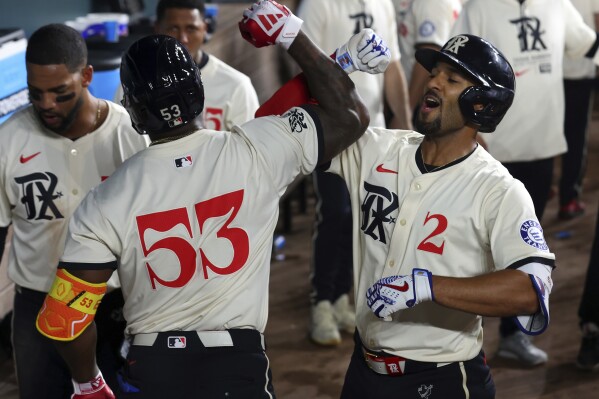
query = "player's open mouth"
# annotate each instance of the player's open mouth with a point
(429, 102)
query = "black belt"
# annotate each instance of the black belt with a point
(245, 340)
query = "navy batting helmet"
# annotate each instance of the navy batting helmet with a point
(482, 62)
(161, 84)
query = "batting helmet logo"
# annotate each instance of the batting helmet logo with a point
(455, 43)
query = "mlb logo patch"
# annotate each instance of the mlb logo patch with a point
(175, 122)
(183, 162)
(177, 342)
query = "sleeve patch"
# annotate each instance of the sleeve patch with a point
(532, 234)
(296, 120)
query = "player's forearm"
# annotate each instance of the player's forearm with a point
(80, 354)
(502, 293)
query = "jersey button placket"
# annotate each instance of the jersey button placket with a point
(74, 153)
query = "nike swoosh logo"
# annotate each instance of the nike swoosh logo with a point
(381, 169)
(403, 287)
(29, 158)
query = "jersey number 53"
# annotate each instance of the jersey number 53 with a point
(184, 250)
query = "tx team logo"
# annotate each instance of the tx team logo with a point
(38, 195)
(177, 342)
(362, 20)
(456, 43)
(296, 121)
(425, 391)
(529, 34)
(377, 209)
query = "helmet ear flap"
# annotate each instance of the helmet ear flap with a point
(495, 103)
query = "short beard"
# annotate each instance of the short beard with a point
(68, 120)
(428, 129)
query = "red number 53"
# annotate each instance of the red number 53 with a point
(183, 249)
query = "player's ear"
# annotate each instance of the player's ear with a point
(87, 74)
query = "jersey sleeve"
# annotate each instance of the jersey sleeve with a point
(515, 232)
(434, 20)
(314, 13)
(244, 104)
(88, 238)
(579, 36)
(5, 208)
(287, 145)
(390, 34)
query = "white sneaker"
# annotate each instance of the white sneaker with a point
(345, 316)
(324, 329)
(519, 347)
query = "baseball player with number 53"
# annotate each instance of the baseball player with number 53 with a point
(188, 223)
(443, 235)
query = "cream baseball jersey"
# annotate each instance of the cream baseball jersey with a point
(423, 22)
(534, 36)
(44, 176)
(467, 219)
(190, 224)
(230, 98)
(330, 22)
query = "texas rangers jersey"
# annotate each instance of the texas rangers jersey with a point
(329, 23)
(583, 68)
(467, 219)
(191, 222)
(230, 98)
(534, 37)
(44, 176)
(423, 22)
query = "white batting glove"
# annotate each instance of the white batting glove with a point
(393, 293)
(267, 22)
(365, 51)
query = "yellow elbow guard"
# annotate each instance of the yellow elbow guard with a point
(69, 308)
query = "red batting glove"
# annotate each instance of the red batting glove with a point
(267, 22)
(94, 389)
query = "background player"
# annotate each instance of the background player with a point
(193, 258)
(230, 97)
(535, 36)
(327, 23)
(422, 24)
(51, 154)
(441, 225)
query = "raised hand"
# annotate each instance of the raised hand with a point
(267, 22)
(393, 293)
(365, 51)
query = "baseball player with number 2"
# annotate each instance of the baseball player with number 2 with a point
(443, 236)
(188, 223)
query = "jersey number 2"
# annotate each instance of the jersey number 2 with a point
(428, 246)
(183, 249)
